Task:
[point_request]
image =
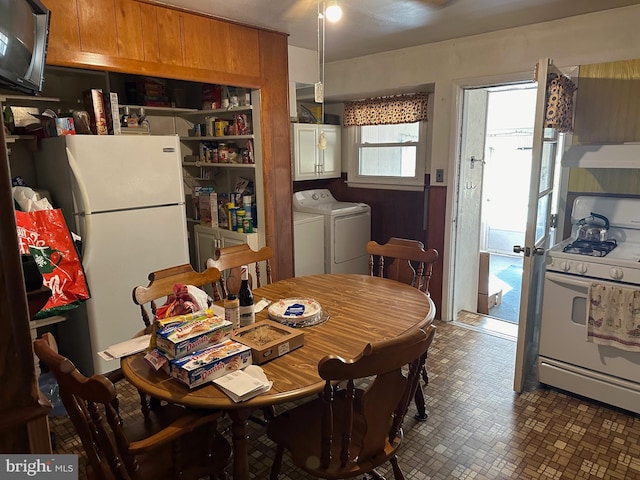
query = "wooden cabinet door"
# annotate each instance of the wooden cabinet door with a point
(170, 38)
(97, 25)
(63, 30)
(305, 151)
(331, 164)
(198, 47)
(130, 31)
(244, 49)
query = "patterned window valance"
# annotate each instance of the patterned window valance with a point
(386, 110)
(559, 108)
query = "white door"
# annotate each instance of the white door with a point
(331, 164)
(545, 149)
(305, 151)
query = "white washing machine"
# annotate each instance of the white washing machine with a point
(308, 244)
(347, 229)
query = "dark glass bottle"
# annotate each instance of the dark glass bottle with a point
(247, 314)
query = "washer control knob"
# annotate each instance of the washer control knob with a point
(315, 196)
(616, 273)
(581, 268)
(564, 266)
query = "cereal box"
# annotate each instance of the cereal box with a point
(211, 363)
(178, 340)
(65, 126)
(94, 105)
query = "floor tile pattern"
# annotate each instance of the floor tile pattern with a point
(478, 428)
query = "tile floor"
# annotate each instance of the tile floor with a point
(478, 428)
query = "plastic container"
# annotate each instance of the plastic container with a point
(218, 128)
(232, 218)
(232, 310)
(240, 215)
(247, 224)
(223, 153)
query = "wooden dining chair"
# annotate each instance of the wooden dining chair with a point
(406, 261)
(229, 260)
(349, 432)
(173, 443)
(161, 283)
(149, 297)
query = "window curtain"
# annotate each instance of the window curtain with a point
(386, 110)
(559, 108)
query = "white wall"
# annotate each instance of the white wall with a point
(594, 38)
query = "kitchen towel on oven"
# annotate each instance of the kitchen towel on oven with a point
(613, 316)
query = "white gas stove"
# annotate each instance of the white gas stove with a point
(617, 258)
(565, 358)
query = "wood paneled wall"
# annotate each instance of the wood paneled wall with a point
(142, 38)
(397, 213)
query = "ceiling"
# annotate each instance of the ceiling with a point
(373, 26)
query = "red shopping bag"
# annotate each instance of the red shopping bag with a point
(44, 235)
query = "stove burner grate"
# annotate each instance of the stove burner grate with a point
(591, 247)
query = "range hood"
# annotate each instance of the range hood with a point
(619, 155)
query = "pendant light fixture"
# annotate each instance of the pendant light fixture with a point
(333, 12)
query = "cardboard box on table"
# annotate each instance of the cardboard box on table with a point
(179, 340)
(213, 362)
(269, 340)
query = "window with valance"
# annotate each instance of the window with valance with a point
(386, 110)
(386, 141)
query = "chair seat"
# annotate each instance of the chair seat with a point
(306, 454)
(158, 464)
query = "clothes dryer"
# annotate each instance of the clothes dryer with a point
(308, 244)
(347, 229)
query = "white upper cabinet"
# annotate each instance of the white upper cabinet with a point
(311, 162)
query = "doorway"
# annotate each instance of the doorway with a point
(494, 178)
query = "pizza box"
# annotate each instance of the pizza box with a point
(268, 340)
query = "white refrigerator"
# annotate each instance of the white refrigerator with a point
(124, 196)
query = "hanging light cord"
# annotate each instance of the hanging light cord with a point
(324, 21)
(319, 19)
(322, 140)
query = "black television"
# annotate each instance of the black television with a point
(24, 33)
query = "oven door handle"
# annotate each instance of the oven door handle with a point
(567, 280)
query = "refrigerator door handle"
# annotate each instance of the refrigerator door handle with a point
(84, 198)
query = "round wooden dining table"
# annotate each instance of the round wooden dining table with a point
(362, 309)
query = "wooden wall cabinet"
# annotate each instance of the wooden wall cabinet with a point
(150, 33)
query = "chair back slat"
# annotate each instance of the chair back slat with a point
(161, 284)
(403, 260)
(229, 260)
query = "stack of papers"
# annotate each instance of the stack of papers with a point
(242, 385)
(128, 347)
